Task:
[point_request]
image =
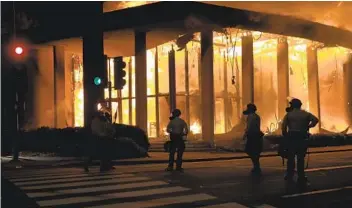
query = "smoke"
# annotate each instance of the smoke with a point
(335, 14)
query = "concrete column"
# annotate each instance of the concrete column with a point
(157, 107)
(313, 84)
(207, 86)
(141, 80)
(172, 80)
(247, 71)
(59, 86)
(43, 100)
(188, 119)
(227, 102)
(69, 81)
(130, 119)
(93, 61)
(282, 76)
(347, 83)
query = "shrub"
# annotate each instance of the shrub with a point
(74, 141)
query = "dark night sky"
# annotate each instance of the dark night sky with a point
(47, 13)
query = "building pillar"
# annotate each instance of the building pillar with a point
(43, 88)
(130, 118)
(188, 118)
(347, 84)
(141, 80)
(69, 82)
(93, 62)
(282, 76)
(59, 87)
(227, 101)
(247, 71)
(207, 86)
(313, 84)
(172, 80)
(157, 107)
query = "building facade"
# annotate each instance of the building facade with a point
(218, 70)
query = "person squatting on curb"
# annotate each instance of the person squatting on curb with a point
(102, 131)
(253, 136)
(295, 129)
(177, 128)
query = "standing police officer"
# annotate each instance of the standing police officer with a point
(177, 128)
(254, 137)
(295, 129)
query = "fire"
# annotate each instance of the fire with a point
(78, 92)
(195, 128)
(113, 6)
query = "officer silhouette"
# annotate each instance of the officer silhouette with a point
(177, 128)
(295, 129)
(254, 137)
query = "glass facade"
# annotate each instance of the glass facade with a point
(331, 88)
(227, 76)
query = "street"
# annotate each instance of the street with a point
(203, 184)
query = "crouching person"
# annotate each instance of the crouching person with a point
(103, 131)
(177, 128)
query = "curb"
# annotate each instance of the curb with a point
(66, 163)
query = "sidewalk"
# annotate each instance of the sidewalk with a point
(155, 158)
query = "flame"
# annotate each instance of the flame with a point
(78, 92)
(298, 81)
(113, 6)
(195, 128)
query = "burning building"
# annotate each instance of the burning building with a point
(223, 59)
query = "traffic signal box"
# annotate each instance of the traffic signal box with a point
(101, 76)
(119, 73)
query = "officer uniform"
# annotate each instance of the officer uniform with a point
(254, 137)
(177, 128)
(295, 128)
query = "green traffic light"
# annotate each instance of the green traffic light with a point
(97, 81)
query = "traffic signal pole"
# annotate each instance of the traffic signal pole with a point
(110, 94)
(16, 138)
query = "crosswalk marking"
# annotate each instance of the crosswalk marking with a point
(265, 206)
(72, 179)
(329, 168)
(53, 172)
(100, 188)
(225, 205)
(31, 174)
(46, 177)
(317, 192)
(72, 200)
(160, 202)
(67, 185)
(109, 189)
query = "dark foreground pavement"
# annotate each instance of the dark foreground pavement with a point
(12, 196)
(203, 184)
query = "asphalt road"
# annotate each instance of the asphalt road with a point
(203, 184)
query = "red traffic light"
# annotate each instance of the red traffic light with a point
(18, 50)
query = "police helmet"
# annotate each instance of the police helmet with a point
(296, 103)
(251, 108)
(176, 113)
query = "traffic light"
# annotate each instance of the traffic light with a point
(18, 50)
(97, 81)
(101, 76)
(119, 73)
